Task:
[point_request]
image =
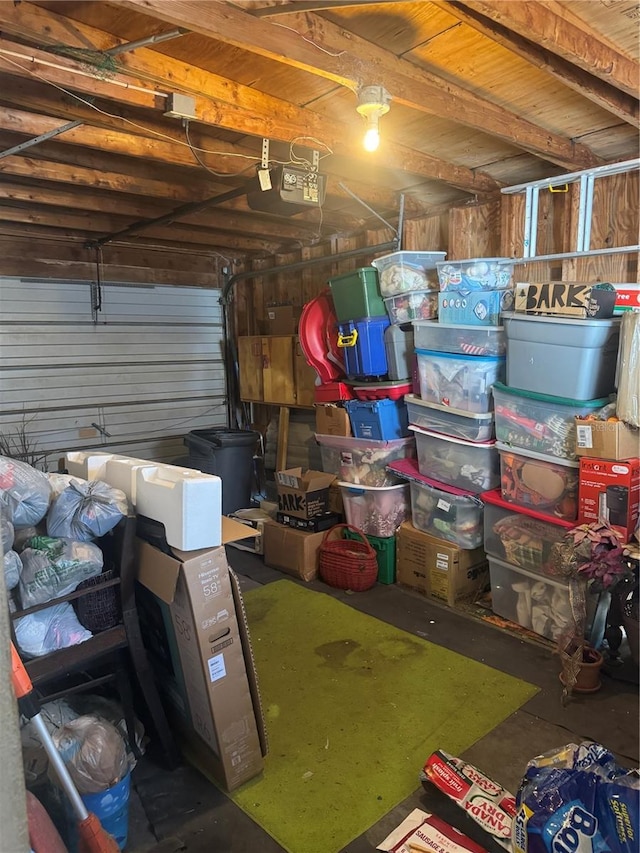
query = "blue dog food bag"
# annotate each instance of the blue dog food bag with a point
(577, 800)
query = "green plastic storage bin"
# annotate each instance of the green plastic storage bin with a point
(385, 549)
(356, 295)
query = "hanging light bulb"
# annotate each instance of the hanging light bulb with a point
(373, 102)
(371, 138)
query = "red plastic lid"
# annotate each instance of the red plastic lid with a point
(495, 497)
(408, 469)
(332, 392)
(382, 391)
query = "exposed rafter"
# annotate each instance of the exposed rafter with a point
(339, 58)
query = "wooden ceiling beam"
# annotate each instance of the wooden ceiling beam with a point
(215, 218)
(607, 97)
(350, 61)
(90, 224)
(236, 107)
(82, 176)
(560, 31)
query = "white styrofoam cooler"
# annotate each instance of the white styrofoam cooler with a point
(188, 504)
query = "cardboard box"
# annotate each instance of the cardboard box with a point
(304, 495)
(332, 420)
(281, 319)
(609, 491)
(207, 672)
(437, 568)
(565, 299)
(292, 551)
(607, 440)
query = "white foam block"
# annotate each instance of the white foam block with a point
(188, 504)
(88, 464)
(121, 473)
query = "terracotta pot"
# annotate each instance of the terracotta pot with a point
(588, 680)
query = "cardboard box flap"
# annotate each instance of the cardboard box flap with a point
(158, 572)
(310, 481)
(249, 660)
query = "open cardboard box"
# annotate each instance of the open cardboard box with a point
(303, 494)
(211, 683)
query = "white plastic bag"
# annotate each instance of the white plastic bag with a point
(12, 569)
(6, 534)
(24, 492)
(53, 567)
(47, 630)
(59, 482)
(86, 510)
(94, 753)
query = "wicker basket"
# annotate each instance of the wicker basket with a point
(97, 611)
(347, 563)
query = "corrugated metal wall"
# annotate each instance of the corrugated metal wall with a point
(146, 368)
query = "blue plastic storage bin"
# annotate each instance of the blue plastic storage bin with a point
(380, 420)
(362, 342)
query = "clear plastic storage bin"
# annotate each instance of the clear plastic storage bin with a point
(523, 539)
(571, 358)
(454, 516)
(362, 461)
(546, 484)
(460, 381)
(475, 274)
(540, 604)
(473, 466)
(538, 421)
(448, 421)
(477, 308)
(376, 511)
(457, 338)
(415, 305)
(401, 272)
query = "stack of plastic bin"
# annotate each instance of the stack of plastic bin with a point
(557, 368)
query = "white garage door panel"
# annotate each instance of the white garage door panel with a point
(150, 371)
(74, 385)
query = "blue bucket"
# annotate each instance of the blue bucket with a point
(111, 807)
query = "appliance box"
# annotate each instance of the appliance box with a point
(609, 491)
(437, 568)
(292, 551)
(214, 690)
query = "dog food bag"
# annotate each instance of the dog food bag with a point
(576, 799)
(421, 832)
(489, 804)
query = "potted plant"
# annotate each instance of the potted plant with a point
(592, 556)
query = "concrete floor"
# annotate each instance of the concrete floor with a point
(182, 811)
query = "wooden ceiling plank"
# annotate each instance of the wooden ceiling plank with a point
(563, 33)
(352, 61)
(91, 224)
(45, 170)
(236, 107)
(596, 90)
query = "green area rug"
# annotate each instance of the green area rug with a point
(353, 708)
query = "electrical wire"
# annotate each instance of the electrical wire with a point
(310, 41)
(148, 130)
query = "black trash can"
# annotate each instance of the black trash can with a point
(227, 453)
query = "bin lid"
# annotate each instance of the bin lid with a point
(222, 436)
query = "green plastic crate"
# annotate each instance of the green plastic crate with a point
(356, 295)
(385, 549)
